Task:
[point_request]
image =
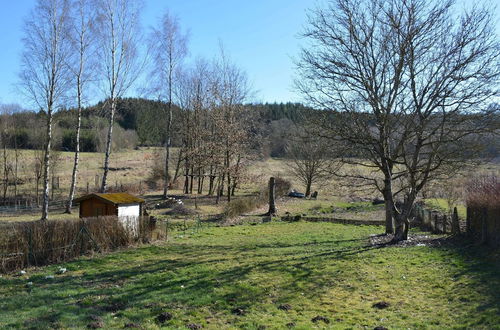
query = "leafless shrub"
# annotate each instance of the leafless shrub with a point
(282, 186)
(243, 205)
(25, 244)
(483, 191)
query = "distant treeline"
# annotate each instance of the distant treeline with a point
(139, 122)
(142, 122)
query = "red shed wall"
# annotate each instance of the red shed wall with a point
(94, 207)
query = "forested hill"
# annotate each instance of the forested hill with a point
(142, 122)
(139, 121)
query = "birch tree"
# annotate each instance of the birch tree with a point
(82, 39)
(44, 74)
(169, 48)
(117, 34)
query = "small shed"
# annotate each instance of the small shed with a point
(112, 204)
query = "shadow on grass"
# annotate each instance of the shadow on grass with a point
(143, 282)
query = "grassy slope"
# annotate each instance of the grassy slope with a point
(317, 268)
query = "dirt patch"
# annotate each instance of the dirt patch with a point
(114, 307)
(413, 240)
(164, 317)
(285, 307)
(319, 318)
(238, 311)
(95, 325)
(381, 305)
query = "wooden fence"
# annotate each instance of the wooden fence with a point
(291, 218)
(437, 222)
(483, 225)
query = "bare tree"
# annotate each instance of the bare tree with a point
(309, 160)
(230, 89)
(44, 74)
(169, 48)
(117, 32)
(82, 39)
(402, 78)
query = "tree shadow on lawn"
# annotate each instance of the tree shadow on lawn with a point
(217, 276)
(482, 264)
(191, 277)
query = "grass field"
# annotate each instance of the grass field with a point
(274, 275)
(133, 167)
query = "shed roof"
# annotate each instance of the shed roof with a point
(114, 198)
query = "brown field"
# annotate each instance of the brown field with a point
(132, 168)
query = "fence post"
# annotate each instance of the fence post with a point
(455, 225)
(468, 221)
(484, 225)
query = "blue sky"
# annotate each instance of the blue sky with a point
(260, 36)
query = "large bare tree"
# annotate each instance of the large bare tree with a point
(117, 32)
(402, 78)
(44, 74)
(168, 46)
(82, 39)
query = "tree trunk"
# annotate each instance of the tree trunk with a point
(389, 206)
(5, 171)
(167, 147)
(235, 184)
(272, 203)
(402, 217)
(402, 227)
(191, 183)
(104, 185)
(308, 189)
(16, 163)
(77, 152)
(46, 167)
(228, 188)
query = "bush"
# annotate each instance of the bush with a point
(88, 140)
(283, 186)
(38, 243)
(484, 192)
(242, 205)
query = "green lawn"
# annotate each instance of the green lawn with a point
(239, 277)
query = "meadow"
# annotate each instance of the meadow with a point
(132, 168)
(275, 275)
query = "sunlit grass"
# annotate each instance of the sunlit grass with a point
(318, 269)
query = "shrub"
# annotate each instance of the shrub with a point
(38, 243)
(283, 186)
(242, 205)
(483, 191)
(88, 140)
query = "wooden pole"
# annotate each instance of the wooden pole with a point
(272, 192)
